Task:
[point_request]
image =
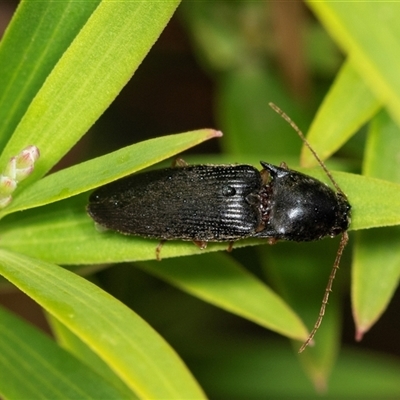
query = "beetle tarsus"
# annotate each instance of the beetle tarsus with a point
(158, 250)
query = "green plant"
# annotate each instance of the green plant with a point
(80, 56)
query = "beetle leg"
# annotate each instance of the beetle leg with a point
(200, 244)
(260, 227)
(272, 240)
(179, 162)
(230, 247)
(283, 165)
(158, 250)
(265, 176)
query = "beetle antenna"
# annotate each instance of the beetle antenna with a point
(302, 137)
(343, 241)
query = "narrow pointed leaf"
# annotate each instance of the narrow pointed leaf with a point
(376, 269)
(132, 349)
(102, 170)
(347, 106)
(34, 367)
(375, 275)
(87, 78)
(370, 33)
(52, 232)
(255, 371)
(221, 281)
(70, 342)
(300, 273)
(27, 56)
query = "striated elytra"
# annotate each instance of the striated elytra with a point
(215, 203)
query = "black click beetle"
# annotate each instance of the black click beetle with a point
(217, 203)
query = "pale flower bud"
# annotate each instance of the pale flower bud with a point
(7, 185)
(5, 201)
(17, 169)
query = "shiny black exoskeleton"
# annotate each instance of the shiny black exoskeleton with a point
(298, 207)
(215, 203)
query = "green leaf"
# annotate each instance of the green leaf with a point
(70, 342)
(267, 370)
(381, 153)
(132, 349)
(34, 367)
(375, 275)
(59, 227)
(374, 201)
(27, 56)
(101, 170)
(347, 106)
(370, 33)
(243, 98)
(300, 274)
(376, 269)
(87, 78)
(221, 281)
(50, 235)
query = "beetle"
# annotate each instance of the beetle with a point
(217, 203)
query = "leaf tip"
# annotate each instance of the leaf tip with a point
(359, 334)
(215, 134)
(320, 384)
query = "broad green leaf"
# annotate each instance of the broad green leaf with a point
(51, 233)
(221, 281)
(27, 55)
(100, 61)
(102, 170)
(347, 106)
(376, 269)
(370, 33)
(34, 367)
(132, 349)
